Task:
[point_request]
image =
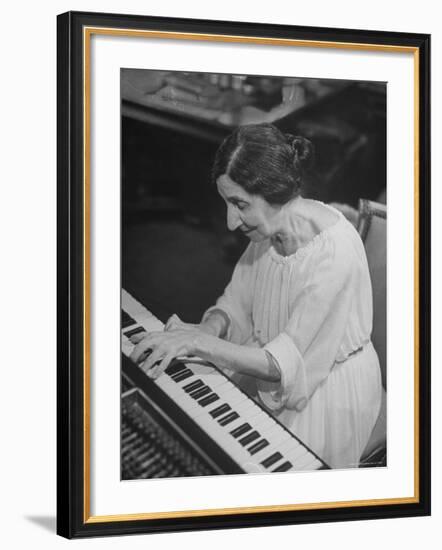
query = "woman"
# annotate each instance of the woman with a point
(293, 326)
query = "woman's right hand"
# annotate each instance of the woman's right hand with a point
(175, 323)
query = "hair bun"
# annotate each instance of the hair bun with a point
(303, 152)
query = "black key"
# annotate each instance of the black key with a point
(228, 418)
(136, 330)
(175, 367)
(240, 430)
(193, 385)
(208, 400)
(249, 438)
(126, 319)
(220, 410)
(200, 392)
(256, 447)
(271, 459)
(283, 467)
(182, 375)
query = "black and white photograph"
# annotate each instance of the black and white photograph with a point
(253, 274)
(243, 274)
(222, 245)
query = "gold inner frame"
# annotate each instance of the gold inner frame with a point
(87, 34)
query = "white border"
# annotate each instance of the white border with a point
(109, 495)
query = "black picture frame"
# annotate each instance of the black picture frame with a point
(73, 515)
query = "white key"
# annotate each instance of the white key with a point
(298, 456)
(264, 423)
(292, 449)
(209, 379)
(315, 465)
(276, 435)
(126, 346)
(248, 410)
(254, 416)
(286, 449)
(274, 467)
(224, 439)
(275, 444)
(219, 386)
(305, 462)
(180, 397)
(179, 394)
(129, 328)
(233, 398)
(208, 421)
(150, 324)
(232, 447)
(261, 455)
(236, 424)
(202, 370)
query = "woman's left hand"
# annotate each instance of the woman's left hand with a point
(165, 346)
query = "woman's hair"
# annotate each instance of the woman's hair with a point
(264, 161)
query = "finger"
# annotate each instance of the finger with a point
(157, 370)
(153, 358)
(135, 338)
(172, 322)
(148, 342)
(142, 358)
(141, 350)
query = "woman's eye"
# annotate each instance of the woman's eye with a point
(241, 206)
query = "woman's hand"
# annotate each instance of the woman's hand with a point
(164, 347)
(168, 345)
(172, 324)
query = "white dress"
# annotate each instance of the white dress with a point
(312, 311)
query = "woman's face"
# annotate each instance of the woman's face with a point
(251, 214)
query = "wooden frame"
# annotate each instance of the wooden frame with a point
(73, 292)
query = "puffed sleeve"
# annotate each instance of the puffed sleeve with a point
(236, 301)
(308, 347)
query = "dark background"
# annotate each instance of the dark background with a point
(177, 254)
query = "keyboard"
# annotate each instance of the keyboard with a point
(236, 424)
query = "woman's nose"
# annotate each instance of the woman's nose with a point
(233, 219)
